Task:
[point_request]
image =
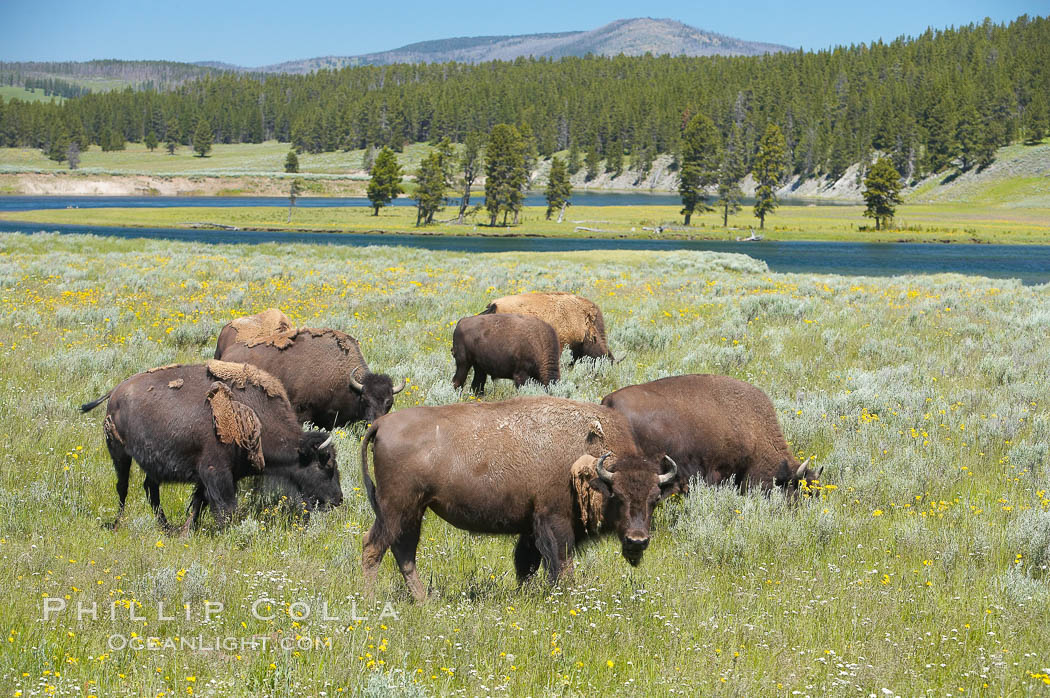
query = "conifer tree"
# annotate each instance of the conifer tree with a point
(699, 165)
(730, 171)
(770, 162)
(385, 184)
(558, 189)
(291, 162)
(505, 176)
(151, 141)
(202, 138)
(430, 188)
(882, 188)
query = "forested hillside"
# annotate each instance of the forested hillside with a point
(943, 98)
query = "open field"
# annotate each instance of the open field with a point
(917, 223)
(920, 566)
(9, 92)
(234, 159)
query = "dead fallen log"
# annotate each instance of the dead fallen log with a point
(214, 226)
(585, 229)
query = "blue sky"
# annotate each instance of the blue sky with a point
(270, 31)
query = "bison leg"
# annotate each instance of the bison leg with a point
(193, 511)
(462, 369)
(404, 550)
(526, 557)
(477, 386)
(373, 549)
(555, 541)
(152, 488)
(221, 492)
(122, 465)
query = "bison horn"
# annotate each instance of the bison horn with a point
(325, 444)
(670, 474)
(802, 468)
(400, 386)
(604, 474)
(355, 385)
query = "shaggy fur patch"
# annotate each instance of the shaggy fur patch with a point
(236, 423)
(243, 374)
(589, 501)
(109, 429)
(574, 318)
(176, 384)
(271, 326)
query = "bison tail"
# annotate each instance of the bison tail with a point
(88, 406)
(366, 479)
(489, 309)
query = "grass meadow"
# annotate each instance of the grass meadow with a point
(919, 566)
(915, 222)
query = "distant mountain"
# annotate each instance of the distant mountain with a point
(632, 37)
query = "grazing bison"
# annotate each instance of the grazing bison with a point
(534, 467)
(324, 372)
(505, 346)
(717, 427)
(212, 425)
(577, 321)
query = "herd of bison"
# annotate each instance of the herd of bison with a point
(550, 470)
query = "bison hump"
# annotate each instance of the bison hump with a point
(236, 423)
(242, 375)
(270, 327)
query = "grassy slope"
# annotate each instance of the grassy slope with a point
(928, 223)
(9, 92)
(225, 159)
(922, 570)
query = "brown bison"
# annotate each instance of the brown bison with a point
(212, 425)
(578, 321)
(525, 466)
(505, 346)
(720, 428)
(326, 376)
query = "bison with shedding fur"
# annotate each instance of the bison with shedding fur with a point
(715, 427)
(551, 471)
(577, 320)
(323, 370)
(519, 347)
(184, 424)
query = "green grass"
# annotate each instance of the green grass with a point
(915, 222)
(9, 92)
(920, 567)
(238, 159)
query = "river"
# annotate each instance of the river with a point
(1028, 263)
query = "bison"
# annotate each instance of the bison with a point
(577, 321)
(212, 425)
(720, 428)
(505, 346)
(551, 471)
(326, 376)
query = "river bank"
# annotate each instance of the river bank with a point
(925, 223)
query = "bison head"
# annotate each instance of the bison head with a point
(376, 392)
(317, 477)
(631, 494)
(789, 478)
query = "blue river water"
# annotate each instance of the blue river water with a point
(1028, 263)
